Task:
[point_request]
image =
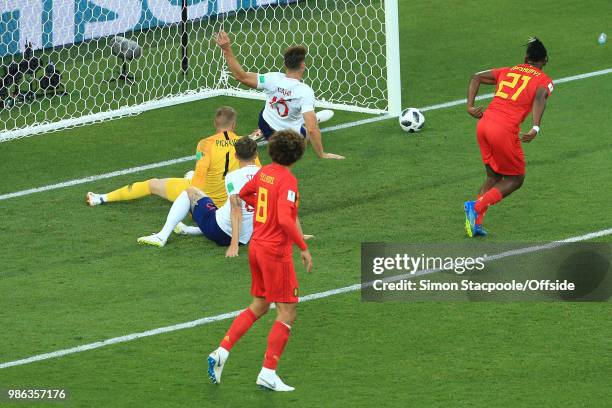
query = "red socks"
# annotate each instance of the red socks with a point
(480, 214)
(277, 339)
(491, 197)
(242, 323)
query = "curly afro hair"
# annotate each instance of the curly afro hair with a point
(286, 147)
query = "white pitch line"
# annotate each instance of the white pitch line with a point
(328, 129)
(96, 177)
(307, 298)
(151, 166)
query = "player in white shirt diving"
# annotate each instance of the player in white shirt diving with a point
(289, 102)
(230, 225)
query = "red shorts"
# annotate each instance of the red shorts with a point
(272, 277)
(500, 148)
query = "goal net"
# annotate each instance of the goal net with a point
(66, 63)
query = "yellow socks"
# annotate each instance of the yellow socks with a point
(129, 192)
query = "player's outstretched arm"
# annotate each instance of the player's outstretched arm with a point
(292, 227)
(314, 135)
(539, 105)
(483, 77)
(247, 78)
(236, 217)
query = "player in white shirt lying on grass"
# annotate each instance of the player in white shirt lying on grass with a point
(230, 225)
(289, 101)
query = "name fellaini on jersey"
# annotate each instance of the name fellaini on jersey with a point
(266, 178)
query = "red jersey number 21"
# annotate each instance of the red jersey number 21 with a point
(280, 105)
(262, 205)
(512, 85)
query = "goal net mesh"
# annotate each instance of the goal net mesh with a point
(58, 69)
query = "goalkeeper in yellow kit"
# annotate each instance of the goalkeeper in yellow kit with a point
(215, 157)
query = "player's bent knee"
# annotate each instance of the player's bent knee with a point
(518, 181)
(491, 173)
(286, 312)
(259, 306)
(262, 309)
(514, 183)
(195, 194)
(157, 187)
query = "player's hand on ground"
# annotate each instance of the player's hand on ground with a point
(256, 135)
(332, 156)
(307, 260)
(529, 136)
(475, 111)
(223, 40)
(231, 252)
(308, 236)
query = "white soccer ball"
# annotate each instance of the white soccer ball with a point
(411, 120)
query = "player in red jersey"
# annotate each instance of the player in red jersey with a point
(273, 192)
(520, 89)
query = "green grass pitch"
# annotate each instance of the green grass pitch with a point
(73, 275)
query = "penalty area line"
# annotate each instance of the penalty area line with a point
(347, 125)
(307, 298)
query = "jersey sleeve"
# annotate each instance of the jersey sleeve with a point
(308, 101)
(548, 84)
(285, 206)
(266, 82)
(230, 184)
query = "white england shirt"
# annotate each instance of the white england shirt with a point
(234, 181)
(287, 99)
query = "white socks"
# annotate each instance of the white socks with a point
(189, 230)
(178, 211)
(266, 372)
(223, 353)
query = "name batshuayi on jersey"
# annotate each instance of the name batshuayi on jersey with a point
(287, 100)
(234, 181)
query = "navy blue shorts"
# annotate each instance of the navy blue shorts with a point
(204, 214)
(267, 130)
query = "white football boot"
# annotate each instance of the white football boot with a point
(324, 115)
(216, 363)
(93, 199)
(154, 240)
(269, 380)
(180, 229)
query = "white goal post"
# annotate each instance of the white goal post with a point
(65, 63)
